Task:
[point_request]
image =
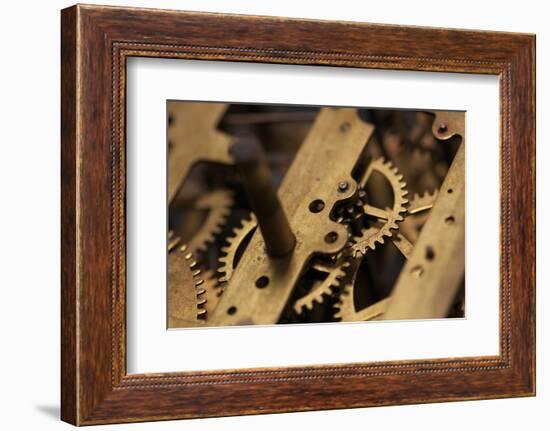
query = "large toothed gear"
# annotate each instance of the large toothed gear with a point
(325, 288)
(345, 309)
(185, 289)
(386, 220)
(217, 204)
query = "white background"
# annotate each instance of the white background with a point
(29, 228)
(151, 348)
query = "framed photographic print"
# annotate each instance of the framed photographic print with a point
(270, 215)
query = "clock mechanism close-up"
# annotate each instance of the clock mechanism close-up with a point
(286, 214)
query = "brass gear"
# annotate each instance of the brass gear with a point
(229, 260)
(388, 219)
(350, 214)
(335, 272)
(217, 204)
(212, 292)
(345, 308)
(185, 289)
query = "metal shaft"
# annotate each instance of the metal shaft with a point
(250, 161)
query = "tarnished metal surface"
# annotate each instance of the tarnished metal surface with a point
(336, 139)
(192, 138)
(300, 215)
(185, 302)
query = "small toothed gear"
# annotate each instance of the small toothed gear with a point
(186, 304)
(345, 307)
(241, 236)
(217, 204)
(387, 219)
(328, 287)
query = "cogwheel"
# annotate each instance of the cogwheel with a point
(212, 292)
(185, 291)
(334, 273)
(345, 308)
(218, 205)
(387, 219)
(241, 236)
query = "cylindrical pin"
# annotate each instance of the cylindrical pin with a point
(250, 161)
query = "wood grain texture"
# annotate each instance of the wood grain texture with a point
(96, 41)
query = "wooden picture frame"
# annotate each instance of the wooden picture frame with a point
(95, 43)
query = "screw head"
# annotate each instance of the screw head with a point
(442, 128)
(343, 186)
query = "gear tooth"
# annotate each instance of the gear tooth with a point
(200, 291)
(222, 280)
(201, 302)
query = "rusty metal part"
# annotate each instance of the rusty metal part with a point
(345, 308)
(240, 238)
(333, 219)
(217, 206)
(433, 273)
(269, 117)
(260, 286)
(447, 124)
(251, 164)
(389, 218)
(335, 272)
(185, 291)
(193, 137)
(212, 292)
(434, 269)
